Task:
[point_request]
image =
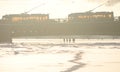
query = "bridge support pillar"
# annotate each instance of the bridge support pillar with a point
(5, 34)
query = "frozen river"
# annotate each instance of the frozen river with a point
(54, 55)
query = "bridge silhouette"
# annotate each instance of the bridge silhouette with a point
(59, 30)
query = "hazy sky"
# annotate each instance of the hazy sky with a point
(56, 8)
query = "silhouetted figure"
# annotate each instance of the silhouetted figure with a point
(64, 40)
(69, 40)
(73, 40)
(16, 52)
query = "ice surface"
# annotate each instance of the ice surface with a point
(53, 55)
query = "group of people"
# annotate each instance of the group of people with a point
(69, 40)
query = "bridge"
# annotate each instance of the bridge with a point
(58, 30)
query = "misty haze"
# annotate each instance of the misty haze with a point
(59, 36)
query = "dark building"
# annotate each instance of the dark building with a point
(91, 16)
(14, 18)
